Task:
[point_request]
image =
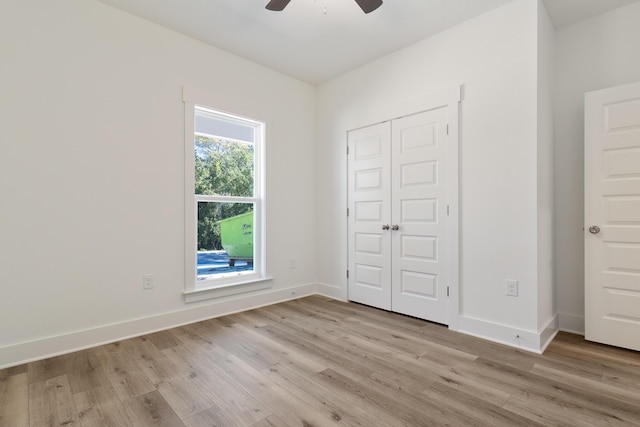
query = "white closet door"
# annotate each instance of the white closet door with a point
(419, 216)
(369, 216)
(612, 216)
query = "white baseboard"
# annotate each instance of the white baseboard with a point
(335, 292)
(571, 323)
(17, 354)
(548, 333)
(527, 340)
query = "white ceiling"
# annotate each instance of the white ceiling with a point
(568, 12)
(304, 42)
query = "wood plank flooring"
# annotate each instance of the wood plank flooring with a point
(320, 362)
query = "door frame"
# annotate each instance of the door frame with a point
(450, 99)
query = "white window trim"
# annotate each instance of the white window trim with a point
(227, 290)
(224, 286)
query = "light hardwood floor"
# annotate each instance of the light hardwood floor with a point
(319, 362)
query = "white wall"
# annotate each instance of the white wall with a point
(594, 54)
(91, 173)
(91, 164)
(495, 57)
(546, 182)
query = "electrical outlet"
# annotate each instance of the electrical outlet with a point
(148, 281)
(292, 263)
(512, 288)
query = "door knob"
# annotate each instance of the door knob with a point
(594, 229)
(385, 226)
(395, 227)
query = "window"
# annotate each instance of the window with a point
(224, 203)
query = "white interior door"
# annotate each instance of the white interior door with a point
(419, 216)
(612, 216)
(369, 207)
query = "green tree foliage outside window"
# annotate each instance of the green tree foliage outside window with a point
(222, 168)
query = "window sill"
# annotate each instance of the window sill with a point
(227, 289)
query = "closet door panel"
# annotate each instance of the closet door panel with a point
(418, 188)
(369, 211)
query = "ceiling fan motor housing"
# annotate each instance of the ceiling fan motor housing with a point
(367, 6)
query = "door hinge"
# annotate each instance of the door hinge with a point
(447, 290)
(447, 128)
(347, 274)
(347, 211)
(347, 150)
(447, 210)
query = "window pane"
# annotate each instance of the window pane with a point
(225, 239)
(223, 167)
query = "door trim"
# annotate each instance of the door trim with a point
(449, 98)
